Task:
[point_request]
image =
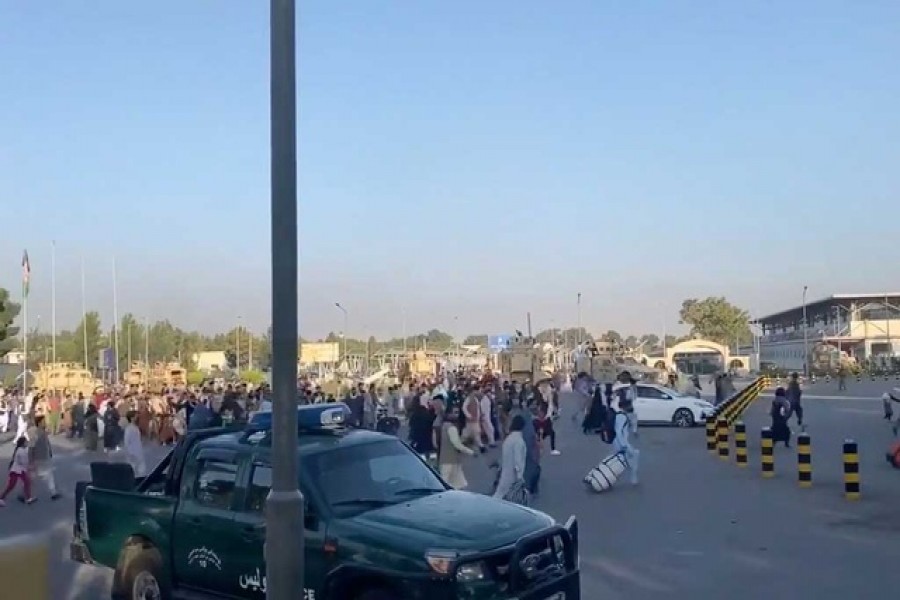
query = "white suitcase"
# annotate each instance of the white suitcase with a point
(604, 476)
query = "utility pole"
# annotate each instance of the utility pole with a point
(344, 310)
(284, 504)
(579, 318)
(237, 347)
(805, 336)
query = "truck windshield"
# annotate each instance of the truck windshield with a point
(369, 476)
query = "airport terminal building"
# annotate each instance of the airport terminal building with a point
(858, 327)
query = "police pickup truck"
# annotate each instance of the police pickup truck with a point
(380, 523)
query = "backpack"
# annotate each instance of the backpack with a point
(625, 402)
(608, 426)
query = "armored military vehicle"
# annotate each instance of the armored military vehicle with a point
(524, 359)
(65, 376)
(605, 361)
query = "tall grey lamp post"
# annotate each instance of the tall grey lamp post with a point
(805, 336)
(344, 310)
(285, 503)
(579, 318)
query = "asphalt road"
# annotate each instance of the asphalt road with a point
(695, 527)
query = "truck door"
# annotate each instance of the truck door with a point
(250, 577)
(204, 528)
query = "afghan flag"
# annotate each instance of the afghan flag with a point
(26, 273)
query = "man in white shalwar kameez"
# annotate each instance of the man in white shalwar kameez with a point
(134, 447)
(512, 458)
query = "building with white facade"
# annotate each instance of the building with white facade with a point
(13, 357)
(210, 360)
(861, 327)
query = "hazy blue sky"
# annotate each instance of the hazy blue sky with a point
(479, 159)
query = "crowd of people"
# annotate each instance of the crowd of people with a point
(461, 414)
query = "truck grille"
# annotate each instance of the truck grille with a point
(537, 561)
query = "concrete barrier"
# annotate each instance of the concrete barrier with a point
(25, 568)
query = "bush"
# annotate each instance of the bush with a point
(195, 377)
(253, 377)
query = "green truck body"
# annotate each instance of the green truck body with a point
(380, 525)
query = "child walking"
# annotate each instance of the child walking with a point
(18, 471)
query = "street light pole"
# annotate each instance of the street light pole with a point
(579, 318)
(237, 348)
(805, 336)
(284, 504)
(344, 310)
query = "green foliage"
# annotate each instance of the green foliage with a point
(89, 328)
(650, 341)
(434, 339)
(195, 377)
(611, 336)
(476, 340)
(253, 377)
(9, 310)
(716, 319)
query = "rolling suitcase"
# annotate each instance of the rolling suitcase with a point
(604, 476)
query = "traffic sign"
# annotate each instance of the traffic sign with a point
(496, 343)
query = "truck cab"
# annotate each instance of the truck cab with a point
(380, 524)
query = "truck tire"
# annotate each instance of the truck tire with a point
(144, 578)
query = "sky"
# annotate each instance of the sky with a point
(461, 164)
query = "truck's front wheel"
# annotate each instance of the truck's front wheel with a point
(144, 578)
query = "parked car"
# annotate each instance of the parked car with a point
(656, 404)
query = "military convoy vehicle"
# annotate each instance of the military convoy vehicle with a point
(154, 380)
(524, 359)
(65, 377)
(380, 524)
(826, 359)
(418, 365)
(605, 361)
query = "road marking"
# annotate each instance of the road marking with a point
(818, 397)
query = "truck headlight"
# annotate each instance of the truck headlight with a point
(469, 572)
(441, 562)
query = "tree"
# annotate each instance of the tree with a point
(89, 328)
(631, 342)
(476, 340)
(650, 340)
(611, 336)
(164, 342)
(716, 319)
(9, 310)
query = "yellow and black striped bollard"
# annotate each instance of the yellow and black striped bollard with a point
(851, 470)
(711, 434)
(804, 460)
(740, 444)
(722, 438)
(767, 453)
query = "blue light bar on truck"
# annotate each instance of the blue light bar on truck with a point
(310, 416)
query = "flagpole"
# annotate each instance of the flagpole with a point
(115, 320)
(25, 339)
(84, 318)
(26, 283)
(53, 301)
